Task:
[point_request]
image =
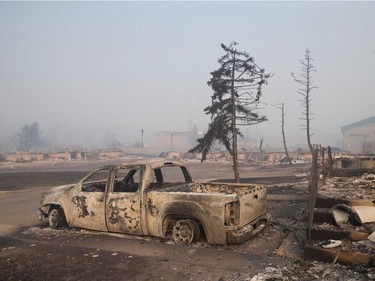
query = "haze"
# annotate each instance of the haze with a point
(87, 69)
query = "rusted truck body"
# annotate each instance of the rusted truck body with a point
(158, 199)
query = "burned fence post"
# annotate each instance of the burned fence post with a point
(322, 149)
(313, 190)
(330, 162)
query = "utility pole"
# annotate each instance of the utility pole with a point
(171, 142)
(142, 131)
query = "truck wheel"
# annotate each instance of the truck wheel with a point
(56, 218)
(185, 232)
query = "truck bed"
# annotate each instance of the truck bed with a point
(252, 197)
(214, 187)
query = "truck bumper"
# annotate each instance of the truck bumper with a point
(42, 215)
(242, 234)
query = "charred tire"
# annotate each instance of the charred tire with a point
(56, 218)
(185, 232)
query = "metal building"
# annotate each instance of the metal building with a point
(359, 137)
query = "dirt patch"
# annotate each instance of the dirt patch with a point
(33, 260)
(74, 254)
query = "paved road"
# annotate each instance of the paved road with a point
(18, 209)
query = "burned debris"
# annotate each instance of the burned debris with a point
(341, 226)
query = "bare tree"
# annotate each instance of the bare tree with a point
(307, 86)
(28, 136)
(237, 88)
(283, 132)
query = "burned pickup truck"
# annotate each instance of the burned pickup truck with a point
(158, 199)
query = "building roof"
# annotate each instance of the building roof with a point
(358, 124)
(175, 133)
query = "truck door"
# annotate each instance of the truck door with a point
(123, 201)
(87, 201)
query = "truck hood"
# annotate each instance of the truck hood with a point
(56, 191)
(60, 188)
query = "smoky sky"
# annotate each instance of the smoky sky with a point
(87, 69)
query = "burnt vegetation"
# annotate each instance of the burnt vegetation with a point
(306, 81)
(237, 85)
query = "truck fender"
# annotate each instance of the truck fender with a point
(46, 209)
(185, 210)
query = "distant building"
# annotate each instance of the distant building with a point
(63, 155)
(177, 141)
(110, 153)
(359, 137)
(21, 157)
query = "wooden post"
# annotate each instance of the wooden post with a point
(322, 149)
(313, 190)
(330, 162)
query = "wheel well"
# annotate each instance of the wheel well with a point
(170, 220)
(46, 209)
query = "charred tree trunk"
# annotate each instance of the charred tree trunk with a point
(307, 86)
(307, 97)
(234, 130)
(283, 132)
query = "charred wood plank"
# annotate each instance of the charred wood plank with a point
(330, 202)
(345, 257)
(321, 216)
(351, 172)
(325, 234)
(324, 216)
(287, 197)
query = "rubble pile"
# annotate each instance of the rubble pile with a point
(362, 187)
(302, 270)
(344, 222)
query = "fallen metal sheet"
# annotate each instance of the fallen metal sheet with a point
(345, 257)
(371, 237)
(341, 214)
(363, 214)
